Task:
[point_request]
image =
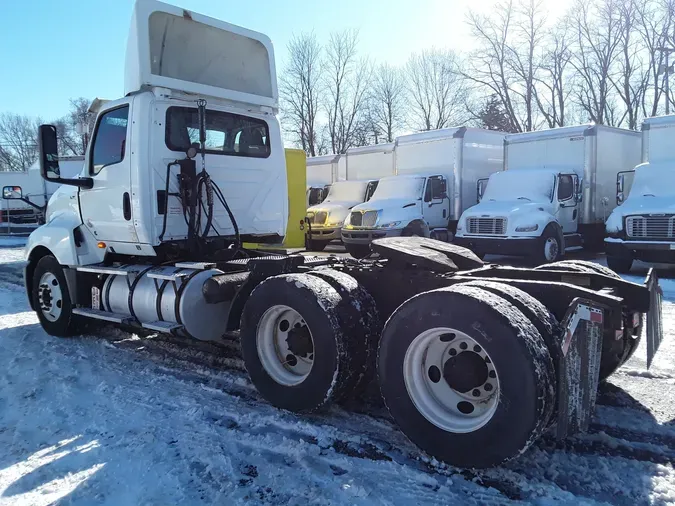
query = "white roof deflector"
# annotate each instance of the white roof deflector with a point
(173, 48)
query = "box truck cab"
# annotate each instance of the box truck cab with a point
(437, 172)
(642, 227)
(327, 218)
(556, 192)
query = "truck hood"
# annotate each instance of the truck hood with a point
(639, 204)
(337, 209)
(508, 208)
(386, 205)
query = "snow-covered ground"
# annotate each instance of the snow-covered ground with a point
(114, 419)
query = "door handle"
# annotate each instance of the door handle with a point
(126, 206)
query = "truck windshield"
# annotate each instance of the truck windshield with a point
(348, 191)
(653, 181)
(524, 185)
(226, 133)
(399, 188)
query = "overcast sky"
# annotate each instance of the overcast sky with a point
(55, 50)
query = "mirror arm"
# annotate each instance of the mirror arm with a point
(33, 205)
(83, 182)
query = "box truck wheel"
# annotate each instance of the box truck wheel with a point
(358, 250)
(619, 264)
(466, 375)
(293, 345)
(314, 245)
(549, 247)
(51, 299)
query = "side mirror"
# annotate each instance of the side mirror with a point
(619, 198)
(620, 183)
(579, 195)
(12, 193)
(480, 189)
(49, 159)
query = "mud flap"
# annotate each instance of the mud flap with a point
(654, 319)
(579, 367)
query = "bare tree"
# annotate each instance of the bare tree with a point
(597, 24)
(436, 90)
(18, 141)
(491, 64)
(347, 81)
(387, 102)
(300, 90)
(74, 130)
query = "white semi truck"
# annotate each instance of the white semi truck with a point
(435, 178)
(642, 227)
(472, 362)
(555, 193)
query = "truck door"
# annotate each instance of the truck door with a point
(106, 207)
(436, 204)
(568, 207)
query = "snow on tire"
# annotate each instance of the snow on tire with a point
(292, 343)
(360, 322)
(466, 376)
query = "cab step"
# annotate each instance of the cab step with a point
(104, 315)
(101, 269)
(198, 266)
(160, 326)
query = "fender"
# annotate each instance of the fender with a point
(57, 237)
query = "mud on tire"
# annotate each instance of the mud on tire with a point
(524, 372)
(318, 309)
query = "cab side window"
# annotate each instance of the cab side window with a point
(110, 139)
(435, 189)
(565, 188)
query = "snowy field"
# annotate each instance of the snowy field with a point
(115, 419)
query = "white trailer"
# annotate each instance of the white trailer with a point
(370, 162)
(555, 194)
(642, 227)
(441, 170)
(151, 236)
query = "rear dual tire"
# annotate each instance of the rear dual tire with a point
(504, 347)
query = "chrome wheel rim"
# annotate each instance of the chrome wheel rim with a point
(50, 297)
(451, 380)
(285, 345)
(551, 249)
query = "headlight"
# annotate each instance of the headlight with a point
(527, 228)
(390, 225)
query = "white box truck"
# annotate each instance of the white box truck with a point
(642, 227)
(555, 193)
(361, 167)
(35, 192)
(436, 177)
(321, 172)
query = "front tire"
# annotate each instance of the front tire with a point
(51, 299)
(549, 247)
(619, 264)
(317, 245)
(358, 251)
(466, 376)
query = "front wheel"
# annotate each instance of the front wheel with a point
(51, 298)
(317, 245)
(358, 250)
(619, 264)
(549, 247)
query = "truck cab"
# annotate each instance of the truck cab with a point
(185, 95)
(326, 219)
(642, 227)
(523, 212)
(406, 205)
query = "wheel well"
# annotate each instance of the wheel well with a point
(418, 223)
(557, 229)
(35, 255)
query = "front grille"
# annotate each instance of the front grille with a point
(651, 227)
(320, 218)
(355, 219)
(369, 218)
(486, 226)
